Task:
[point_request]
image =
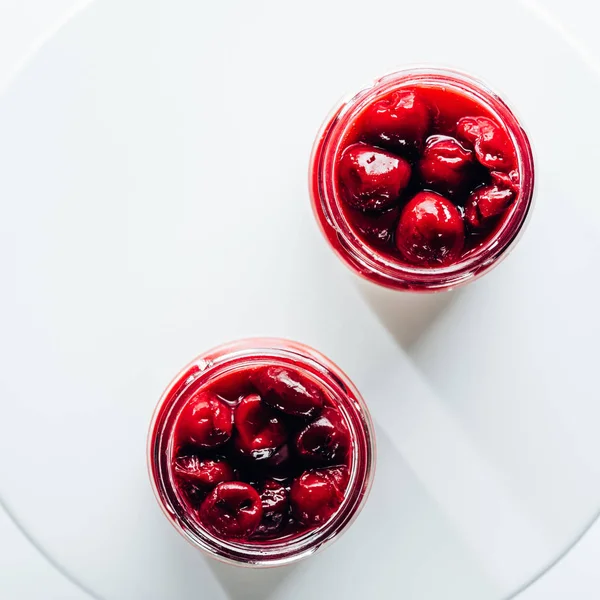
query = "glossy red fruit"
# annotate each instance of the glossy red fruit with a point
(399, 121)
(446, 165)
(232, 510)
(205, 473)
(510, 181)
(371, 178)
(492, 144)
(314, 497)
(205, 421)
(430, 231)
(275, 503)
(259, 430)
(338, 475)
(326, 440)
(486, 204)
(377, 228)
(289, 391)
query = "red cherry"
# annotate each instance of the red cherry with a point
(377, 228)
(509, 181)
(399, 121)
(371, 178)
(485, 204)
(430, 231)
(275, 502)
(493, 147)
(325, 440)
(232, 510)
(314, 497)
(202, 472)
(338, 475)
(446, 164)
(259, 430)
(205, 421)
(289, 391)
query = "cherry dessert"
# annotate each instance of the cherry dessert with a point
(423, 180)
(426, 175)
(260, 454)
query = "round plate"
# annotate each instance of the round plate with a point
(153, 183)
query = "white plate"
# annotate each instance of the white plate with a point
(153, 161)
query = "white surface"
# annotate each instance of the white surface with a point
(25, 574)
(106, 151)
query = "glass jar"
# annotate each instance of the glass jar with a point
(227, 359)
(379, 267)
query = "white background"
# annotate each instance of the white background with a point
(24, 574)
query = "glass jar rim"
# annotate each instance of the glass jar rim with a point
(229, 357)
(367, 261)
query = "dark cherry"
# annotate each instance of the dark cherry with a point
(232, 510)
(377, 228)
(314, 497)
(204, 473)
(259, 430)
(430, 231)
(289, 391)
(493, 147)
(486, 204)
(398, 122)
(194, 494)
(205, 422)
(275, 503)
(446, 165)
(326, 440)
(371, 178)
(280, 462)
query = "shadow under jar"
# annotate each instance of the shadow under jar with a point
(261, 452)
(423, 180)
